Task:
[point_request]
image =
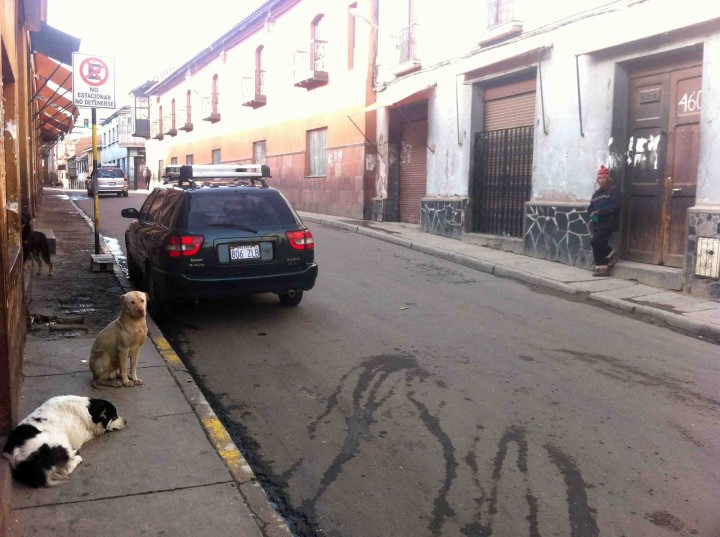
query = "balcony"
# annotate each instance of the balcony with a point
(156, 130)
(253, 91)
(310, 69)
(408, 60)
(501, 32)
(172, 131)
(210, 110)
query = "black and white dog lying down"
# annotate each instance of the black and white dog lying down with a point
(43, 448)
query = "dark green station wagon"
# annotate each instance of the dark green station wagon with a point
(218, 231)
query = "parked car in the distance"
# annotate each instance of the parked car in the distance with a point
(218, 231)
(111, 180)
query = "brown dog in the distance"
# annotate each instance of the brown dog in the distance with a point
(119, 343)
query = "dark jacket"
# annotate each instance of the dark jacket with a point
(607, 201)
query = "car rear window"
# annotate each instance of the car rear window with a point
(110, 172)
(239, 207)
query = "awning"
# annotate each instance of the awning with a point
(49, 99)
(55, 44)
(395, 98)
(48, 69)
(55, 113)
(509, 57)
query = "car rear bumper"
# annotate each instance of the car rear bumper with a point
(177, 286)
(111, 189)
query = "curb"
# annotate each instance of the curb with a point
(215, 431)
(674, 320)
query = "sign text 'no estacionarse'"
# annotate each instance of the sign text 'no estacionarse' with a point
(93, 81)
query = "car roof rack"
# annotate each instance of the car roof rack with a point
(201, 174)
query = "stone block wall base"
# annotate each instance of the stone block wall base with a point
(443, 216)
(558, 232)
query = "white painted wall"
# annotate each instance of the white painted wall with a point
(708, 181)
(565, 162)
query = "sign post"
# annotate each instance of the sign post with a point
(94, 87)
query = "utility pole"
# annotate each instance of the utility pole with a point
(94, 179)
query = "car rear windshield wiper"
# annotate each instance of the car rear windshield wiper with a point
(232, 225)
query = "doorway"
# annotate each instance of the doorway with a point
(663, 149)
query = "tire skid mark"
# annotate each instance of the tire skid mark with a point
(441, 507)
(582, 519)
(623, 372)
(687, 434)
(514, 435)
(374, 373)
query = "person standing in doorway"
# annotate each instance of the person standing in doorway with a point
(147, 176)
(604, 212)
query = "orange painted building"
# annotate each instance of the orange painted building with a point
(287, 86)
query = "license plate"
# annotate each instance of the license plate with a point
(111, 183)
(239, 252)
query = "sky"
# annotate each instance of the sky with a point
(145, 37)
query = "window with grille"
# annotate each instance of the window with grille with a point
(259, 152)
(499, 12)
(316, 152)
(216, 156)
(189, 159)
(318, 44)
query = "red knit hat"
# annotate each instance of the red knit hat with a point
(603, 172)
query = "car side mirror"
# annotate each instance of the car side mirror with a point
(130, 213)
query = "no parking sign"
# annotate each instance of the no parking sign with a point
(93, 81)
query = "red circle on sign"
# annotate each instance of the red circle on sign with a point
(94, 71)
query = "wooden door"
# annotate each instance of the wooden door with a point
(662, 169)
(682, 161)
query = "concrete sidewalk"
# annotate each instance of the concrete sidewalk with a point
(697, 316)
(174, 470)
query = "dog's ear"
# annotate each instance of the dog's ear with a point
(147, 297)
(122, 299)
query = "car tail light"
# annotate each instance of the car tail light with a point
(301, 240)
(184, 245)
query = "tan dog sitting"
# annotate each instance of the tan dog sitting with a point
(119, 343)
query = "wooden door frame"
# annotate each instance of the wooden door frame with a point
(661, 66)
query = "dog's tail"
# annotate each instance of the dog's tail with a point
(98, 386)
(35, 470)
(45, 252)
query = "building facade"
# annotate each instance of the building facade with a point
(35, 111)
(287, 86)
(499, 131)
(120, 148)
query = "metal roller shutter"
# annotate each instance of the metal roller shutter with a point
(510, 112)
(413, 169)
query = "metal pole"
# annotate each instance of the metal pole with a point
(94, 179)
(577, 73)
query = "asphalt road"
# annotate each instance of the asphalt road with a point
(408, 396)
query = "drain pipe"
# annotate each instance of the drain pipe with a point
(577, 74)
